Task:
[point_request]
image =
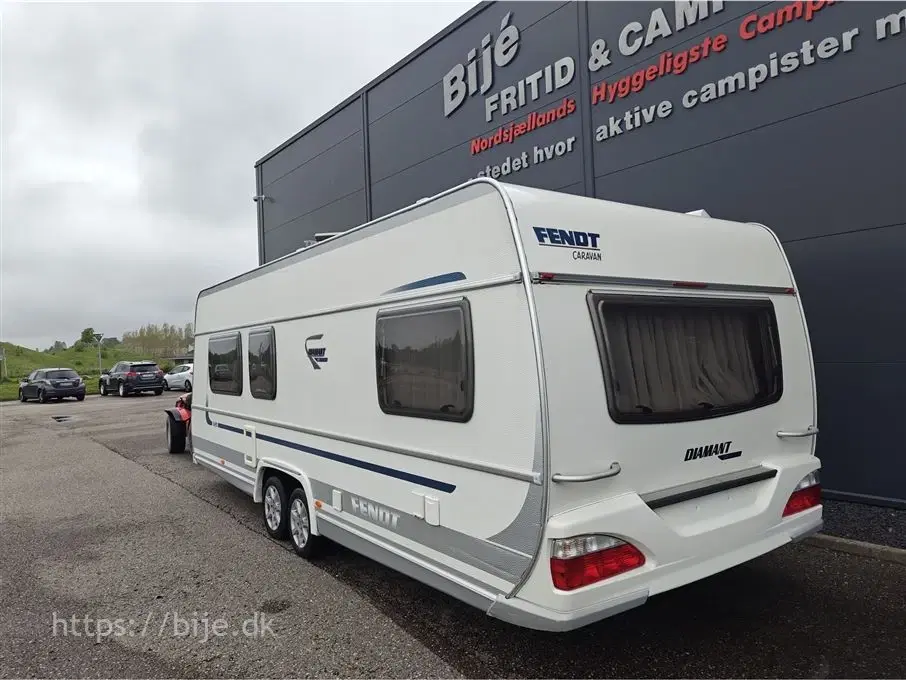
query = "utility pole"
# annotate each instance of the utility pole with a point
(98, 336)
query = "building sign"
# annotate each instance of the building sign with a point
(483, 64)
(463, 80)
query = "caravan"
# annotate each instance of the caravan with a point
(549, 406)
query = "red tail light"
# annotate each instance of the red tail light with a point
(160, 374)
(806, 495)
(131, 374)
(583, 560)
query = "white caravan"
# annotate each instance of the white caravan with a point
(551, 407)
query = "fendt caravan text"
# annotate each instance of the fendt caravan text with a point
(549, 406)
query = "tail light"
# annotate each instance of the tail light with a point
(582, 560)
(806, 495)
(160, 374)
(131, 374)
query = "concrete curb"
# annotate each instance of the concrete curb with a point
(848, 545)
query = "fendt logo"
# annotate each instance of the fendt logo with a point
(721, 450)
(316, 355)
(374, 512)
(584, 244)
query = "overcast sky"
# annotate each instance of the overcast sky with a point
(130, 134)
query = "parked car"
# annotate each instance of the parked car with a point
(51, 383)
(132, 377)
(179, 378)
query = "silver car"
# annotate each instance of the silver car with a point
(179, 378)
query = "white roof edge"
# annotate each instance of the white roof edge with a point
(701, 212)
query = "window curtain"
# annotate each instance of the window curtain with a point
(674, 360)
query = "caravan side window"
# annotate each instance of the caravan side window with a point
(263, 363)
(225, 364)
(424, 362)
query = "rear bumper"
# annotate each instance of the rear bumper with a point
(684, 542)
(145, 386)
(65, 391)
(637, 588)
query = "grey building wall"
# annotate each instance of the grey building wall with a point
(818, 153)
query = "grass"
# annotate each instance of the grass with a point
(22, 361)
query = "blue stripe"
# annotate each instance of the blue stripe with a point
(430, 281)
(380, 469)
(231, 428)
(364, 465)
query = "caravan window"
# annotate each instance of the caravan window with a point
(225, 364)
(424, 362)
(670, 360)
(263, 364)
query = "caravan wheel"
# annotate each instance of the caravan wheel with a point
(274, 507)
(304, 543)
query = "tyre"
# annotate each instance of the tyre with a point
(80, 397)
(304, 543)
(42, 397)
(122, 389)
(274, 507)
(176, 436)
(22, 397)
(188, 386)
(102, 388)
(159, 391)
(166, 386)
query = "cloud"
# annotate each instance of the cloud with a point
(130, 133)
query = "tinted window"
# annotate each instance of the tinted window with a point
(225, 364)
(671, 360)
(144, 368)
(424, 362)
(263, 364)
(64, 374)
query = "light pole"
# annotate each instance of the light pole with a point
(98, 336)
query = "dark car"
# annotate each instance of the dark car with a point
(51, 383)
(132, 377)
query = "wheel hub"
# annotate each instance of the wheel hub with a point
(272, 508)
(299, 523)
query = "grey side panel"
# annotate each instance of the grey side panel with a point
(245, 485)
(218, 450)
(331, 528)
(523, 533)
(470, 550)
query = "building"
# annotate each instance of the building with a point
(788, 114)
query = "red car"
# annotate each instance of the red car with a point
(179, 425)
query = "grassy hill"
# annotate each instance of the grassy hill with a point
(22, 361)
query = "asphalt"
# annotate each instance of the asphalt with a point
(98, 520)
(870, 523)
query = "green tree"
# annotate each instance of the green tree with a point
(87, 336)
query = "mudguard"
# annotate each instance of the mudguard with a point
(179, 414)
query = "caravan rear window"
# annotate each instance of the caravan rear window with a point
(225, 364)
(670, 360)
(424, 362)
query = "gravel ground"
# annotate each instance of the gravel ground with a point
(886, 526)
(98, 520)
